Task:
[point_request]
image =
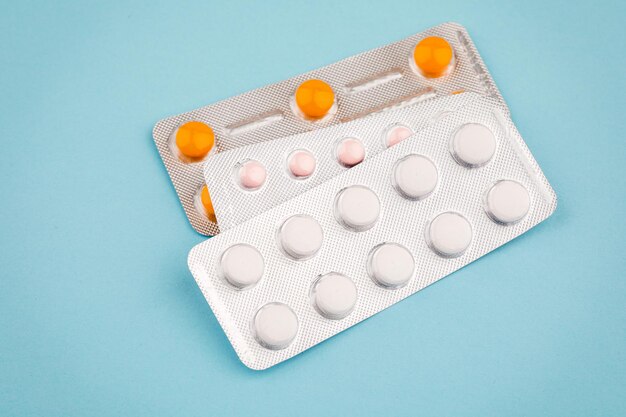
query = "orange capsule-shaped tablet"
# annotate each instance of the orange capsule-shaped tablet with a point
(207, 204)
(314, 99)
(433, 57)
(194, 140)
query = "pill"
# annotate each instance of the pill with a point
(300, 237)
(507, 202)
(449, 234)
(433, 57)
(241, 265)
(275, 325)
(204, 204)
(473, 145)
(357, 208)
(251, 175)
(334, 295)
(396, 134)
(390, 265)
(314, 99)
(415, 177)
(193, 141)
(301, 164)
(350, 152)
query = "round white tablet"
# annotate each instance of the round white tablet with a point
(300, 237)
(357, 208)
(507, 202)
(449, 234)
(415, 177)
(275, 325)
(241, 265)
(390, 265)
(334, 295)
(473, 145)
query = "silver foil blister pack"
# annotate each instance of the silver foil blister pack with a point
(371, 236)
(236, 201)
(366, 83)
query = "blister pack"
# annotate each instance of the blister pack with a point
(347, 249)
(439, 61)
(249, 180)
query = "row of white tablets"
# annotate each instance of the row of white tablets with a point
(389, 265)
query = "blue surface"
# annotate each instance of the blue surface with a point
(100, 316)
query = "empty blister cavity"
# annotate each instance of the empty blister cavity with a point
(349, 152)
(275, 325)
(507, 202)
(250, 175)
(415, 177)
(241, 265)
(301, 164)
(314, 100)
(449, 234)
(390, 265)
(300, 237)
(395, 134)
(473, 145)
(333, 295)
(357, 208)
(191, 141)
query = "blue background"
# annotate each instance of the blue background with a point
(100, 316)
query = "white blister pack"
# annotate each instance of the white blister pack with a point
(249, 180)
(439, 61)
(347, 249)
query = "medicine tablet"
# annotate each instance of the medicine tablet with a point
(357, 208)
(396, 134)
(433, 57)
(449, 234)
(241, 265)
(301, 164)
(507, 202)
(334, 295)
(350, 152)
(251, 175)
(275, 325)
(314, 99)
(192, 141)
(415, 177)
(203, 203)
(300, 237)
(390, 265)
(473, 145)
